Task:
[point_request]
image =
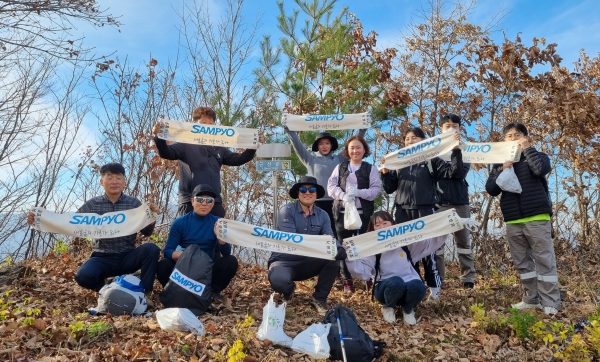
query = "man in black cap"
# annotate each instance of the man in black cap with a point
(303, 217)
(197, 227)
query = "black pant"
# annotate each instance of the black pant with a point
(223, 271)
(283, 274)
(217, 210)
(99, 266)
(327, 206)
(343, 233)
(432, 275)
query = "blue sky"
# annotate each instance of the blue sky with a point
(151, 28)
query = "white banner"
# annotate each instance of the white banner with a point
(208, 134)
(419, 152)
(89, 225)
(488, 152)
(395, 236)
(312, 122)
(250, 236)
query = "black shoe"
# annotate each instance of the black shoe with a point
(218, 296)
(468, 285)
(320, 305)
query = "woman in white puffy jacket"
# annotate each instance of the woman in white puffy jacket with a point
(397, 284)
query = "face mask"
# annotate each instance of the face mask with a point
(448, 130)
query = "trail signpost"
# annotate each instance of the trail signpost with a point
(273, 151)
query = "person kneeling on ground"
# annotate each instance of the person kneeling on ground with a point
(303, 217)
(397, 284)
(197, 227)
(115, 256)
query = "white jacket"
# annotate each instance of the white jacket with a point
(395, 262)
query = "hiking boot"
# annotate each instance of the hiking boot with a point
(468, 285)
(550, 310)
(320, 305)
(389, 314)
(218, 296)
(409, 318)
(149, 303)
(348, 286)
(523, 305)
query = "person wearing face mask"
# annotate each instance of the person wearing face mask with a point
(357, 181)
(397, 283)
(320, 164)
(304, 217)
(528, 226)
(454, 194)
(417, 195)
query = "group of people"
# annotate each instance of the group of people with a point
(333, 181)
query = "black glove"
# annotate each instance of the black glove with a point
(341, 253)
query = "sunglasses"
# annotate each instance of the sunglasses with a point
(311, 189)
(208, 200)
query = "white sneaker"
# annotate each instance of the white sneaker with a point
(409, 318)
(523, 305)
(550, 310)
(434, 294)
(389, 314)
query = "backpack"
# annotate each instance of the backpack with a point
(189, 285)
(124, 296)
(358, 345)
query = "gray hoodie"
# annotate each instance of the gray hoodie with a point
(319, 166)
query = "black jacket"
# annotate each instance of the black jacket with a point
(363, 178)
(200, 165)
(533, 200)
(455, 190)
(415, 187)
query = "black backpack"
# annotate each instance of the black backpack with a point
(189, 285)
(357, 343)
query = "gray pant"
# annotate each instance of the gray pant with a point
(532, 251)
(462, 238)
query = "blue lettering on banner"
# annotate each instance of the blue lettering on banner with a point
(213, 131)
(97, 220)
(277, 235)
(420, 147)
(400, 230)
(187, 283)
(324, 117)
(483, 148)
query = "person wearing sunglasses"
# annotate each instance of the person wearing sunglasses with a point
(197, 227)
(528, 226)
(304, 217)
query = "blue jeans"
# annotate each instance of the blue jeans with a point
(394, 292)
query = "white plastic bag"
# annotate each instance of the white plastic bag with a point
(179, 319)
(271, 327)
(508, 181)
(351, 216)
(313, 341)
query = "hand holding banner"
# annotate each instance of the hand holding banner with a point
(242, 234)
(310, 122)
(208, 134)
(89, 225)
(395, 236)
(421, 151)
(488, 152)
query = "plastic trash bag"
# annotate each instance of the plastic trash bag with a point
(313, 341)
(470, 224)
(508, 181)
(179, 319)
(271, 327)
(351, 216)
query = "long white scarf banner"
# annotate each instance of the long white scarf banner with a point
(208, 134)
(250, 236)
(488, 152)
(312, 122)
(89, 225)
(395, 236)
(419, 152)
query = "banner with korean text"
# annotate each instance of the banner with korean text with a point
(488, 152)
(313, 122)
(208, 134)
(421, 151)
(250, 236)
(89, 225)
(396, 236)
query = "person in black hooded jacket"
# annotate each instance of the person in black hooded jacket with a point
(417, 195)
(528, 226)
